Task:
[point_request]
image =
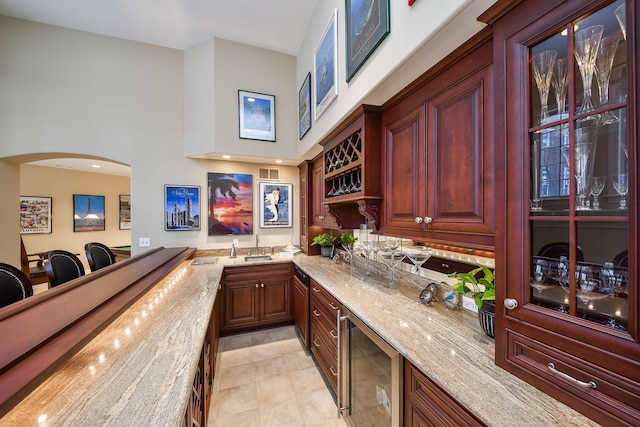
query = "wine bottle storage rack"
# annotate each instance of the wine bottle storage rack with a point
(344, 155)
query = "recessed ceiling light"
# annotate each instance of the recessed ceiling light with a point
(278, 161)
(96, 166)
(226, 156)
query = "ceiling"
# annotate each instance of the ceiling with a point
(277, 25)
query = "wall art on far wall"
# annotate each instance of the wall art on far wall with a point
(88, 213)
(304, 107)
(230, 203)
(124, 212)
(35, 215)
(181, 207)
(275, 205)
(325, 65)
(257, 116)
(367, 24)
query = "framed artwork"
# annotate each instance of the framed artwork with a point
(257, 115)
(275, 205)
(230, 203)
(368, 23)
(181, 207)
(124, 212)
(88, 213)
(35, 215)
(304, 107)
(325, 65)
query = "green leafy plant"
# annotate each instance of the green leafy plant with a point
(480, 288)
(324, 239)
(347, 239)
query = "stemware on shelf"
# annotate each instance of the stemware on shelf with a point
(540, 275)
(604, 62)
(582, 153)
(620, 13)
(542, 66)
(586, 50)
(560, 84)
(535, 177)
(418, 257)
(597, 185)
(621, 185)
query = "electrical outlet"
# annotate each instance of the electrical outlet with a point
(235, 242)
(469, 303)
(144, 242)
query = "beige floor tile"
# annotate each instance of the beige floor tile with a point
(237, 399)
(299, 361)
(243, 419)
(289, 345)
(235, 342)
(270, 368)
(317, 406)
(237, 356)
(274, 389)
(266, 350)
(236, 375)
(281, 414)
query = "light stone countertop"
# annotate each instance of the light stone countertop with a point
(139, 370)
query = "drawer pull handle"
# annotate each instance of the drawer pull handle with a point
(334, 373)
(257, 285)
(569, 378)
(333, 335)
(332, 305)
(316, 343)
(316, 313)
(316, 289)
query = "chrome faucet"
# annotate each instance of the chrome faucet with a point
(257, 243)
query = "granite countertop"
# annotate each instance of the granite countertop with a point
(138, 371)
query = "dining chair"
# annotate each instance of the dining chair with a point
(62, 266)
(98, 255)
(14, 285)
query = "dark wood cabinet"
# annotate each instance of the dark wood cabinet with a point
(257, 296)
(301, 310)
(571, 266)
(426, 404)
(321, 216)
(324, 332)
(438, 152)
(305, 191)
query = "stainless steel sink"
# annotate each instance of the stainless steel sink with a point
(254, 258)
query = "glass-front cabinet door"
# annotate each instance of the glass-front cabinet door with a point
(579, 170)
(567, 250)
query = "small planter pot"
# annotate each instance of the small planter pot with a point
(326, 250)
(487, 318)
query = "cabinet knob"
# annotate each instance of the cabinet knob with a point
(428, 220)
(418, 220)
(257, 285)
(510, 303)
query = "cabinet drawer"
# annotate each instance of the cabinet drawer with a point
(325, 356)
(258, 272)
(325, 299)
(582, 385)
(427, 404)
(325, 323)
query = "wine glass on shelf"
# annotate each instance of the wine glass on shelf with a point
(542, 66)
(604, 62)
(333, 190)
(418, 256)
(583, 155)
(560, 84)
(539, 276)
(597, 185)
(620, 13)
(586, 44)
(621, 185)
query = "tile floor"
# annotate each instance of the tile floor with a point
(266, 379)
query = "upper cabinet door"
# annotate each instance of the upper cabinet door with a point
(568, 245)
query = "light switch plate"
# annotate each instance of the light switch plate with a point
(469, 303)
(144, 242)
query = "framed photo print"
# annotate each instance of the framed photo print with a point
(88, 213)
(124, 212)
(257, 115)
(304, 107)
(368, 23)
(325, 65)
(181, 207)
(35, 215)
(230, 207)
(275, 205)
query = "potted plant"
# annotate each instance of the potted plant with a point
(347, 239)
(480, 284)
(326, 241)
